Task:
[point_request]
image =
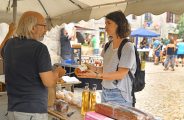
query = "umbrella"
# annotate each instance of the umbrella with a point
(141, 32)
(156, 7)
(60, 11)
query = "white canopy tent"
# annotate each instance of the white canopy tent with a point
(60, 11)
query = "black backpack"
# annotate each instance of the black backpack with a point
(139, 79)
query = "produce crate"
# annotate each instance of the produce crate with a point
(2, 87)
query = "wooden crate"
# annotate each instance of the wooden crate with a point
(2, 87)
(1, 67)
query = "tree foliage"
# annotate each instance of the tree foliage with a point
(180, 26)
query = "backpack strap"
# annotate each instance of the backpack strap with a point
(137, 61)
(107, 45)
(129, 73)
(124, 41)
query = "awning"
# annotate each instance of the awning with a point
(64, 11)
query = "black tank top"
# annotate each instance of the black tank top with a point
(170, 51)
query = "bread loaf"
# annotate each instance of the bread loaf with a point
(61, 106)
(122, 112)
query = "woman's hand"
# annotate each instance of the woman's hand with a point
(94, 68)
(87, 74)
(91, 67)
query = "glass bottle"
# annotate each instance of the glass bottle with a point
(143, 63)
(85, 99)
(93, 98)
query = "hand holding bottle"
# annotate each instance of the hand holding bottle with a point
(59, 70)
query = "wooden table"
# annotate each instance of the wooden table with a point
(63, 116)
(69, 85)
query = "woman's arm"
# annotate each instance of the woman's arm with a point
(116, 75)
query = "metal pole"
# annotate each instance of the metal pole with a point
(14, 5)
(48, 17)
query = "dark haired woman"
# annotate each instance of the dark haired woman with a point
(117, 85)
(66, 49)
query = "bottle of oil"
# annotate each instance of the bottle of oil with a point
(93, 98)
(143, 65)
(85, 99)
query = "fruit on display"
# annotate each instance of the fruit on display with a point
(81, 69)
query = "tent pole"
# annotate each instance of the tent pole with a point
(136, 41)
(48, 17)
(14, 5)
(75, 4)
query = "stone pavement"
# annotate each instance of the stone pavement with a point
(163, 95)
(3, 106)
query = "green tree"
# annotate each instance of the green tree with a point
(180, 26)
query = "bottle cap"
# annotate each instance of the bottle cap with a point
(86, 85)
(94, 86)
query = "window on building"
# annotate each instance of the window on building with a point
(147, 17)
(134, 17)
(170, 17)
(177, 18)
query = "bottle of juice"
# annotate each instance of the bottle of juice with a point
(93, 98)
(85, 99)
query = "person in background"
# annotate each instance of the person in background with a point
(156, 48)
(163, 55)
(95, 44)
(116, 84)
(88, 38)
(143, 43)
(80, 38)
(150, 55)
(66, 49)
(28, 70)
(180, 53)
(170, 50)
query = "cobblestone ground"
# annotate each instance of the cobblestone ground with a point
(163, 95)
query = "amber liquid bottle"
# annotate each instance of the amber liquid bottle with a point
(85, 100)
(93, 98)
